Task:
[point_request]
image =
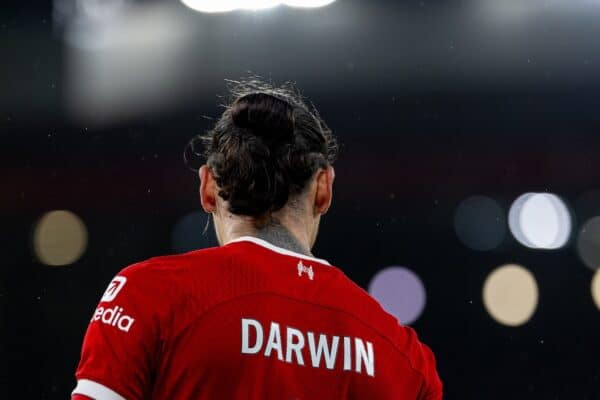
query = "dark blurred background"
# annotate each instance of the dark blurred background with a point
(467, 191)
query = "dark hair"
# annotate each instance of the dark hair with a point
(265, 147)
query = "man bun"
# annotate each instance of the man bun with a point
(265, 147)
(265, 115)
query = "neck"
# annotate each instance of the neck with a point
(274, 231)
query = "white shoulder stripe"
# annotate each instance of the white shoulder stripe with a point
(96, 391)
(276, 249)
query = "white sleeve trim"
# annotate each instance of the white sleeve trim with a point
(96, 391)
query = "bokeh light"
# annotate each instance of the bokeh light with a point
(588, 243)
(215, 6)
(211, 6)
(307, 3)
(257, 4)
(400, 292)
(188, 234)
(596, 288)
(510, 294)
(59, 238)
(540, 221)
(480, 223)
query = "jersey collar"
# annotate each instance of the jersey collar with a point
(276, 249)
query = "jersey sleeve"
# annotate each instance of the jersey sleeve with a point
(422, 360)
(433, 389)
(124, 337)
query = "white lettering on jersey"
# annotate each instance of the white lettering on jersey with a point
(113, 317)
(246, 323)
(347, 354)
(113, 289)
(322, 348)
(274, 341)
(364, 356)
(294, 345)
(295, 342)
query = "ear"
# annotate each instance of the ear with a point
(324, 192)
(208, 189)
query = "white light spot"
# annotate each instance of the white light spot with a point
(540, 221)
(59, 238)
(216, 6)
(307, 3)
(257, 4)
(510, 295)
(211, 6)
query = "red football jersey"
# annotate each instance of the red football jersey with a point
(248, 320)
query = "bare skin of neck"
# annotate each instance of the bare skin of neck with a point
(280, 230)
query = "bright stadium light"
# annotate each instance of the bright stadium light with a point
(257, 4)
(212, 6)
(540, 221)
(217, 6)
(307, 3)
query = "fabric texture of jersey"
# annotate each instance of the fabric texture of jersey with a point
(248, 320)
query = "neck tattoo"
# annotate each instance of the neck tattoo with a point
(277, 234)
